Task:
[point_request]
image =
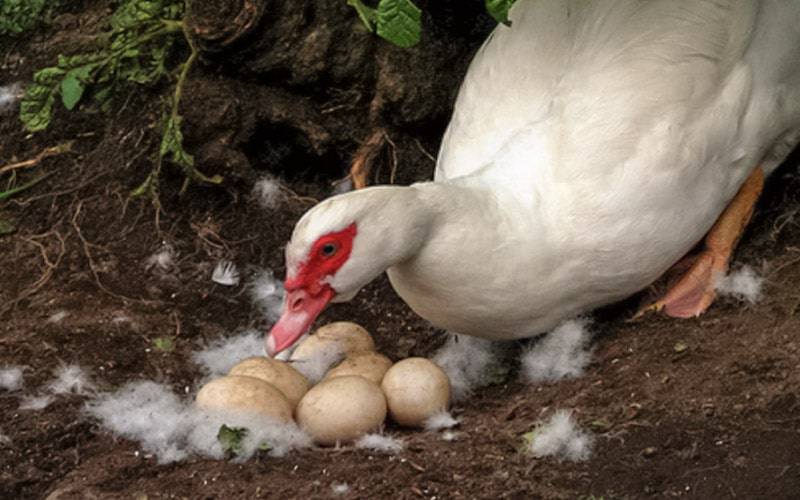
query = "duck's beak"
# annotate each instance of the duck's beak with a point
(300, 309)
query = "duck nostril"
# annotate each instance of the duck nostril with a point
(296, 304)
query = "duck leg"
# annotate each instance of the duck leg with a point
(695, 291)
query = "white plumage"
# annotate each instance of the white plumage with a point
(591, 146)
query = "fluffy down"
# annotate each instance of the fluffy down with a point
(743, 284)
(439, 421)
(267, 293)
(562, 353)
(468, 362)
(172, 429)
(379, 442)
(11, 378)
(561, 438)
(71, 379)
(222, 354)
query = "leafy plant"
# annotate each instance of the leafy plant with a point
(400, 21)
(231, 439)
(18, 16)
(134, 51)
(143, 36)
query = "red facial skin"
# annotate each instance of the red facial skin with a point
(306, 293)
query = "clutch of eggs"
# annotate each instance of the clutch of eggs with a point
(354, 397)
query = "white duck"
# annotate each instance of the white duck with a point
(592, 145)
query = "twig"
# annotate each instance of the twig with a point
(424, 151)
(294, 196)
(51, 151)
(393, 170)
(177, 323)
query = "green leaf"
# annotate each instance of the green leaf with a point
(18, 16)
(172, 143)
(498, 9)
(49, 76)
(172, 148)
(164, 344)
(527, 440)
(36, 107)
(71, 90)
(400, 22)
(231, 438)
(368, 15)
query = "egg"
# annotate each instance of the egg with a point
(283, 377)
(341, 409)
(370, 365)
(415, 389)
(244, 394)
(343, 336)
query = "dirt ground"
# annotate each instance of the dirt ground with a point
(704, 408)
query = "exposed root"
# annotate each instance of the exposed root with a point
(49, 266)
(424, 151)
(393, 170)
(51, 151)
(208, 233)
(87, 245)
(366, 156)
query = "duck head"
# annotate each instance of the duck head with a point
(339, 246)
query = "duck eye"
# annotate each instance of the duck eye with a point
(328, 249)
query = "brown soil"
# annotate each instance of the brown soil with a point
(718, 419)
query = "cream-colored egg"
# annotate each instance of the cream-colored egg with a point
(370, 365)
(283, 377)
(245, 394)
(342, 336)
(341, 409)
(415, 389)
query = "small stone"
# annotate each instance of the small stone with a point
(680, 346)
(649, 451)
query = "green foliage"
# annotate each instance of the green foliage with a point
(498, 9)
(134, 51)
(527, 441)
(164, 344)
(400, 21)
(231, 438)
(18, 16)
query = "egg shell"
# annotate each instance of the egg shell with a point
(345, 336)
(341, 409)
(370, 365)
(415, 389)
(283, 377)
(244, 394)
